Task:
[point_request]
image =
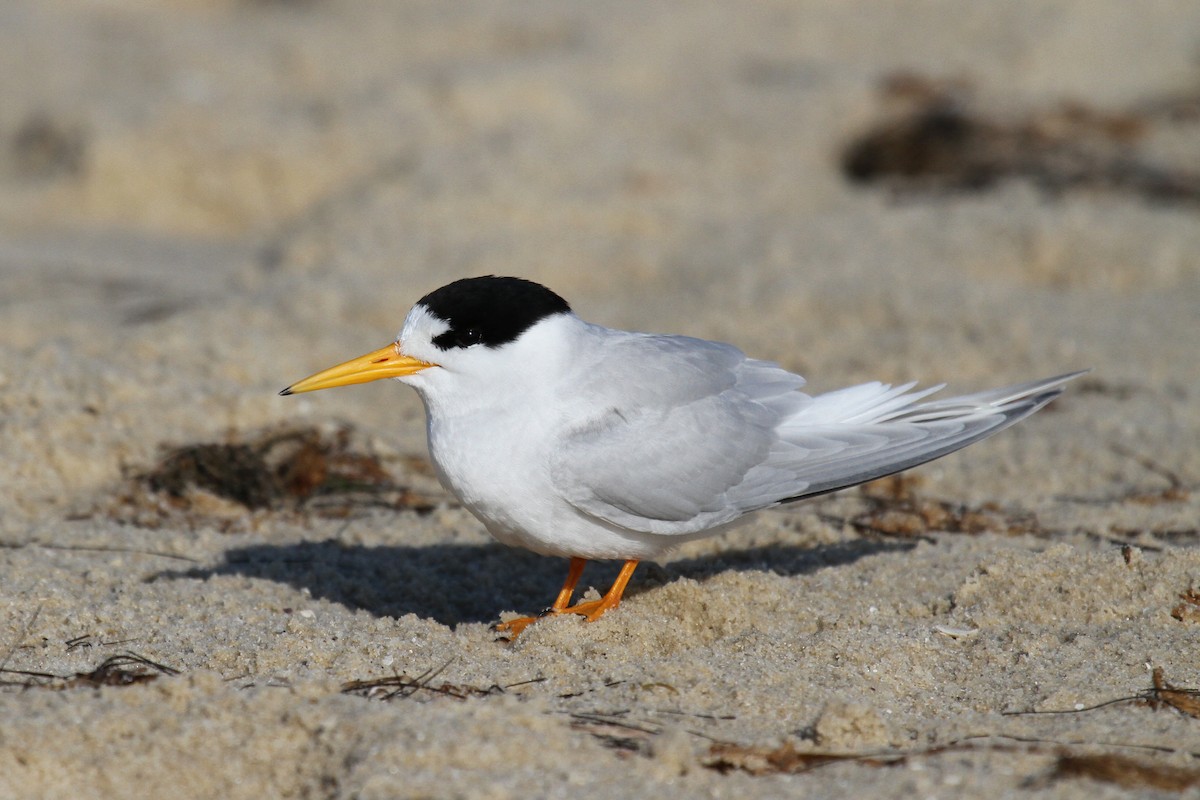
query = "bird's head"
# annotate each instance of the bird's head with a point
(467, 330)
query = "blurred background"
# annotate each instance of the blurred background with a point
(202, 201)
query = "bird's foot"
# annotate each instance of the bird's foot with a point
(590, 610)
(511, 629)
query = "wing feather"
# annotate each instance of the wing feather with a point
(696, 435)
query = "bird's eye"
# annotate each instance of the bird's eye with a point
(469, 337)
(460, 338)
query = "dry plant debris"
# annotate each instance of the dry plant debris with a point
(894, 508)
(45, 148)
(123, 669)
(391, 687)
(331, 472)
(1189, 609)
(616, 730)
(934, 137)
(1109, 767)
(1127, 772)
(1185, 701)
(757, 760)
(1161, 693)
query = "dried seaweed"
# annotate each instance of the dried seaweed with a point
(45, 148)
(1189, 609)
(1186, 701)
(395, 686)
(1127, 772)
(616, 730)
(123, 669)
(762, 760)
(331, 473)
(934, 137)
(757, 760)
(895, 508)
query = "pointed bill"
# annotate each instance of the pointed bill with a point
(386, 362)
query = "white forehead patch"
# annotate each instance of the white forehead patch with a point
(420, 327)
(422, 324)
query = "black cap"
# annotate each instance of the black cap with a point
(490, 311)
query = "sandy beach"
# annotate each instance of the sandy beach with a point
(208, 590)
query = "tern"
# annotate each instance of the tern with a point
(572, 439)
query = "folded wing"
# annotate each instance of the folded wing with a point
(675, 456)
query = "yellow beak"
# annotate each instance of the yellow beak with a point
(386, 362)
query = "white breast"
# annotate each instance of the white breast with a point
(494, 427)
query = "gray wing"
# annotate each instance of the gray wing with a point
(696, 435)
(904, 433)
(673, 433)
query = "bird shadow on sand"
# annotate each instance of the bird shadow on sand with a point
(456, 583)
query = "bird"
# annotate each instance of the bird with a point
(576, 440)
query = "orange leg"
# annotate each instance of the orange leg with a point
(574, 572)
(592, 610)
(514, 627)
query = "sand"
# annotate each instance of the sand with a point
(202, 202)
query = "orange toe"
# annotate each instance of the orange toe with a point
(512, 628)
(591, 610)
